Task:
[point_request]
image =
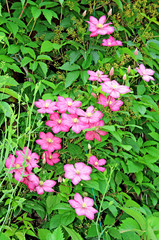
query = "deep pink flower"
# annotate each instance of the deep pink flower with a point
(31, 158)
(49, 142)
(74, 122)
(83, 206)
(16, 167)
(95, 134)
(46, 106)
(97, 163)
(98, 75)
(110, 42)
(67, 104)
(51, 158)
(89, 116)
(98, 26)
(109, 101)
(145, 73)
(57, 123)
(45, 186)
(77, 173)
(32, 181)
(114, 88)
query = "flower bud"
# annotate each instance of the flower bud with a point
(85, 194)
(124, 77)
(60, 179)
(44, 158)
(84, 13)
(89, 146)
(128, 70)
(111, 73)
(94, 95)
(110, 12)
(136, 52)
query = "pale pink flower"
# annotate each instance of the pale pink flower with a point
(46, 106)
(83, 206)
(51, 158)
(15, 164)
(110, 42)
(98, 26)
(45, 186)
(145, 73)
(98, 75)
(57, 123)
(90, 116)
(109, 101)
(67, 104)
(114, 88)
(77, 173)
(74, 122)
(97, 163)
(31, 158)
(95, 134)
(49, 142)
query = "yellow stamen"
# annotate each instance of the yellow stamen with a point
(41, 183)
(75, 120)
(77, 171)
(46, 105)
(50, 140)
(99, 25)
(59, 121)
(69, 103)
(17, 165)
(96, 163)
(50, 156)
(89, 114)
(84, 205)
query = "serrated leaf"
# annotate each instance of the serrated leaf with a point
(84, 76)
(74, 56)
(6, 80)
(74, 235)
(68, 67)
(48, 46)
(137, 216)
(36, 12)
(12, 27)
(43, 234)
(44, 57)
(71, 77)
(5, 107)
(12, 49)
(25, 61)
(57, 234)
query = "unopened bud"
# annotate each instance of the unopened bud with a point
(94, 95)
(111, 73)
(84, 13)
(59, 179)
(44, 158)
(136, 52)
(128, 70)
(124, 77)
(110, 12)
(89, 146)
(85, 194)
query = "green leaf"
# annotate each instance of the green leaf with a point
(36, 12)
(48, 46)
(140, 89)
(6, 109)
(43, 67)
(13, 28)
(14, 67)
(61, 2)
(128, 52)
(137, 216)
(4, 237)
(44, 57)
(10, 92)
(63, 206)
(28, 50)
(49, 14)
(71, 77)
(51, 202)
(25, 61)
(75, 150)
(50, 84)
(55, 221)
(86, 63)
(68, 67)
(74, 235)
(74, 56)
(119, 3)
(6, 80)
(57, 234)
(43, 234)
(67, 218)
(154, 135)
(12, 49)
(108, 128)
(84, 76)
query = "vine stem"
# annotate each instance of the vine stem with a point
(100, 208)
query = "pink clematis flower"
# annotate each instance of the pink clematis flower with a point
(98, 26)
(110, 101)
(67, 104)
(114, 88)
(98, 75)
(17, 167)
(49, 142)
(110, 42)
(45, 186)
(97, 163)
(145, 73)
(83, 206)
(89, 116)
(77, 173)
(46, 106)
(57, 123)
(32, 181)
(50, 158)
(95, 134)
(31, 158)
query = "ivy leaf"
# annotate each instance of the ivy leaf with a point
(71, 77)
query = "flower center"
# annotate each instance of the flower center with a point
(49, 140)
(46, 105)
(17, 165)
(77, 172)
(59, 121)
(84, 205)
(143, 72)
(89, 114)
(99, 25)
(96, 163)
(114, 86)
(98, 73)
(109, 43)
(28, 158)
(41, 183)
(75, 120)
(110, 102)
(50, 156)
(69, 103)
